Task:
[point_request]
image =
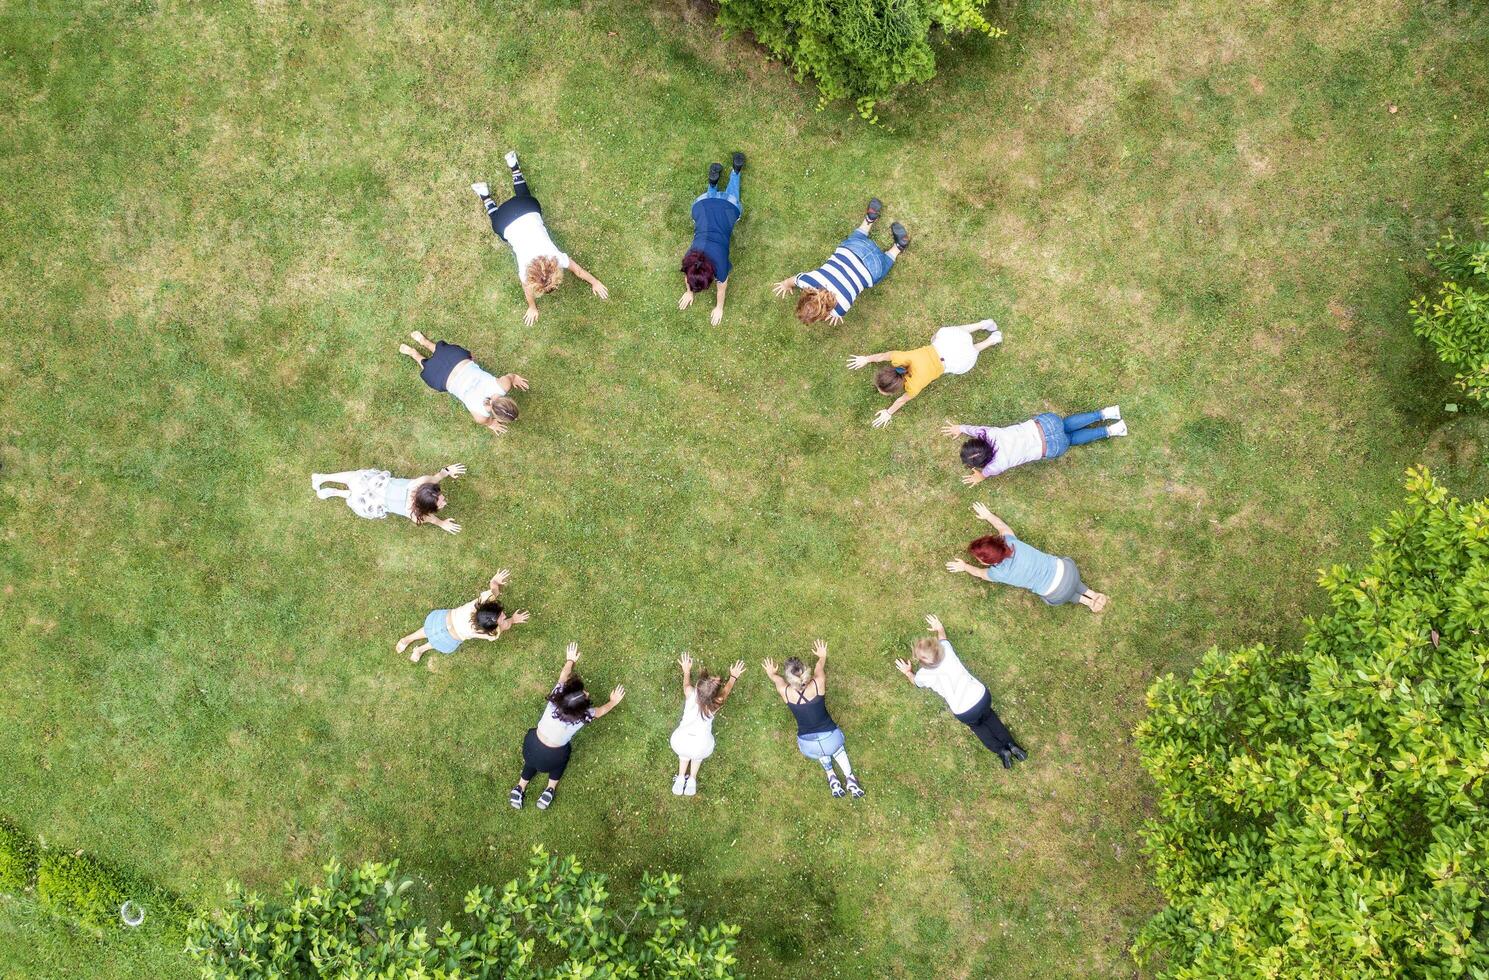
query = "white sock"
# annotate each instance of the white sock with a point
(841, 758)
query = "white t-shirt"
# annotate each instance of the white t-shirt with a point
(529, 239)
(472, 385)
(952, 681)
(1016, 444)
(554, 731)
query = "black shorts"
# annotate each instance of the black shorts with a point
(537, 757)
(437, 366)
(512, 209)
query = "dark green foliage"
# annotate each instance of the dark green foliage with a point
(551, 922)
(1456, 319)
(1322, 812)
(859, 49)
(17, 858)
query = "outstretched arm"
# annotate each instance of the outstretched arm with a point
(571, 657)
(784, 287)
(597, 287)
(717, 316)
(983, 513)
(615, 698)
(769, 666)
(734, 672)
(863, 360)
(686, 663)
(820, 676)
(882, 419)
(531, 316)
(512, 381)
(936, 627)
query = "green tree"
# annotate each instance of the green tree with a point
(859, 49)
(553, 921)
(1455, 320)
(1322, 812)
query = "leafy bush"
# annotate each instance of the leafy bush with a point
(79, 886)
(1322, 812)
(17, 859)
(859, 49)
(551, 922)
(1456, 319)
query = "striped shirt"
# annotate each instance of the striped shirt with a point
(844, 273)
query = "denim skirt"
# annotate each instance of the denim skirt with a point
(437, 632)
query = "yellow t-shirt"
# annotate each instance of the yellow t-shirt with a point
(923, 365)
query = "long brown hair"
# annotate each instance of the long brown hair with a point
(814, 305)
(544, 274)
(710, 694)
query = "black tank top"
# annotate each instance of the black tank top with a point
(811, 714)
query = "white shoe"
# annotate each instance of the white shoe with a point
(690, 788)
(1111, 412)
(678, 782)
(1117, 428)
(511, 158)
(315, 482)
(482, 189)
(996, 336)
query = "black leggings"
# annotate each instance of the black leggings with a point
(537, 757)
(521, 202)
(986, 724)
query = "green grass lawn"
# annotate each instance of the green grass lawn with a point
(219, 221)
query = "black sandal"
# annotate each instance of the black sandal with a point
(515, 797)
(871, 214)
(901, 236)
(546, 800)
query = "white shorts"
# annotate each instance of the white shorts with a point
(689, 744)
(955, 347)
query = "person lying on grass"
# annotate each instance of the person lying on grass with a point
(706, 262)
(518, 221)
(1004, 558)
(939, 669)
(990, 451)
(828, 291)
(693, 740)
(546, 748)
(951, 351)
(374, 494)
(450, 367)
(483, 618)
(818, 737)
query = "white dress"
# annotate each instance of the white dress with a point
(955, 348)
(693, 738)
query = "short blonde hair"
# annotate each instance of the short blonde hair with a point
(544, 274)
(927, 650)
(815, 305)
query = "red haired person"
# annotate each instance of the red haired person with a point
(991, 450)
(1002, 557)
(715, 213)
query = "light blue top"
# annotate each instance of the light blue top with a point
(395, 496)
(1028, 568)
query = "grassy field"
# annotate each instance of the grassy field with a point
(219, 220)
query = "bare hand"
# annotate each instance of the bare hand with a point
(784, 287)
(451, 526)
(737, 669)
(950, 428)
(834, 319)
(520, 616)
(685, 661)
(497, 426)
(519, 382)
(768, 665)
(973, 478)
(599, 290)
(983, 513)
(571, 654)
(819, 648)
(957, 565)
(882, 419)
(686, 301)
(717, 316)
(857, 361)
(530, 317)
(903, 666)
(617, 695)
(935, 625)
(501, 578)
(455, 470)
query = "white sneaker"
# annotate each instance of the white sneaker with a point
(1111, 412)
(481, 188)
(690, 788)
(511, 158)
(678, 782)
(1117, 428)
(996, 336)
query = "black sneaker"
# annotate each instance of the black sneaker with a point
(1018, 753)
(901, 236)
(835, 786)
(546, 800)
(873, 211)
(715, 171)
(515, 797)
(738, 161)
(854, 788)
(1003, 754)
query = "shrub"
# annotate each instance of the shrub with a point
(17, 859)
(79, 886)
(1322, 812)
(1456, 319)
(552, 921)
(859, 49)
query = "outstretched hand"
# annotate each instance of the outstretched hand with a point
(882, 418)
(617, 695)
(935, 625)
(819, 648)
(685, 661)
(501, 578)
(950, 428)
(903, 666)
(451, 526)
(834, 318)
(530, 317)
(497, 426)
(737, 669)
(958, 565)
(519, 382)
(599, 290)
(983, 512)
(857, 361)
(455, 470)
(686, 301)
(571, 654)
(520, 616)
(973, 478)
(717, 316)
(769, 666)
(784, 287)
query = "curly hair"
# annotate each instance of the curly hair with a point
(815, 305)
(544, 274)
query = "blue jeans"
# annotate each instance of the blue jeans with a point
(874, 258)
(730, 192)
(1073, 430)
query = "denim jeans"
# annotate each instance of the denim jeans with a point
(730, 192)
